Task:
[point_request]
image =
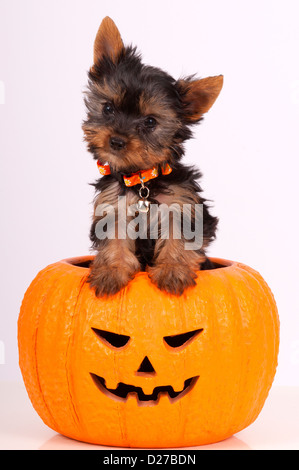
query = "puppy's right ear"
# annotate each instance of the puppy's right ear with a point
(108, 41)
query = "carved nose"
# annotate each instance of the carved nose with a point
(146, 367)
(116, 143)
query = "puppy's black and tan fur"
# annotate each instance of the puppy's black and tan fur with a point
(139, 117)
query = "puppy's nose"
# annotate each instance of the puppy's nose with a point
(117, 143)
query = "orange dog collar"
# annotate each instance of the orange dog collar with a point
(136, 178)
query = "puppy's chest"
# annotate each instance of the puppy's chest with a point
(143, 199)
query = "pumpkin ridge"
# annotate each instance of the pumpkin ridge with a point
(266, 289)
(253, 286)
(56, 328)
(236, 322)
(239, 276)
(120, 411)
(36, 361)
(212, 329)
(69, 380)
(182, 418)
(36, 283)
(259, 280)
(262, 284)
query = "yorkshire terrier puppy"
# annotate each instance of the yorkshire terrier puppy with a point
(138, 118)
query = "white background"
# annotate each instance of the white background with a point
(247, 147)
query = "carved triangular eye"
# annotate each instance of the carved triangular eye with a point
(176, 341)
(113, 339)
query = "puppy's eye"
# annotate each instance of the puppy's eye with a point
(150, 122)
(108, 109)
(113, 339)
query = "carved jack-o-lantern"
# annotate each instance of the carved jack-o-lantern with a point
(144, 368)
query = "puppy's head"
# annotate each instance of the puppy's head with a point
(138, 116)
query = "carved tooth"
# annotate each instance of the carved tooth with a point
(147, 388)
(111, 383)
(178, 385)
(132, 396)
(163, 397)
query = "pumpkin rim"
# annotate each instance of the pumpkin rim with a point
(76, 262)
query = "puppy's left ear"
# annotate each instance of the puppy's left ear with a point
(108, 41)
(199, 95)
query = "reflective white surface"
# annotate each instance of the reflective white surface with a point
(277, 427)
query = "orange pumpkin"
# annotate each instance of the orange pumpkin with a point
(144, 368)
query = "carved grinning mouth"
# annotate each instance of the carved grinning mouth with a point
(122, 391)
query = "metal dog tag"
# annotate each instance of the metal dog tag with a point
(143, 205)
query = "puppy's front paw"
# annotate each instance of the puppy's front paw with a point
(173, 278)
(108, 281)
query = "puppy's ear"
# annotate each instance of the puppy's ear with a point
(199, 95)
(108, 41)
